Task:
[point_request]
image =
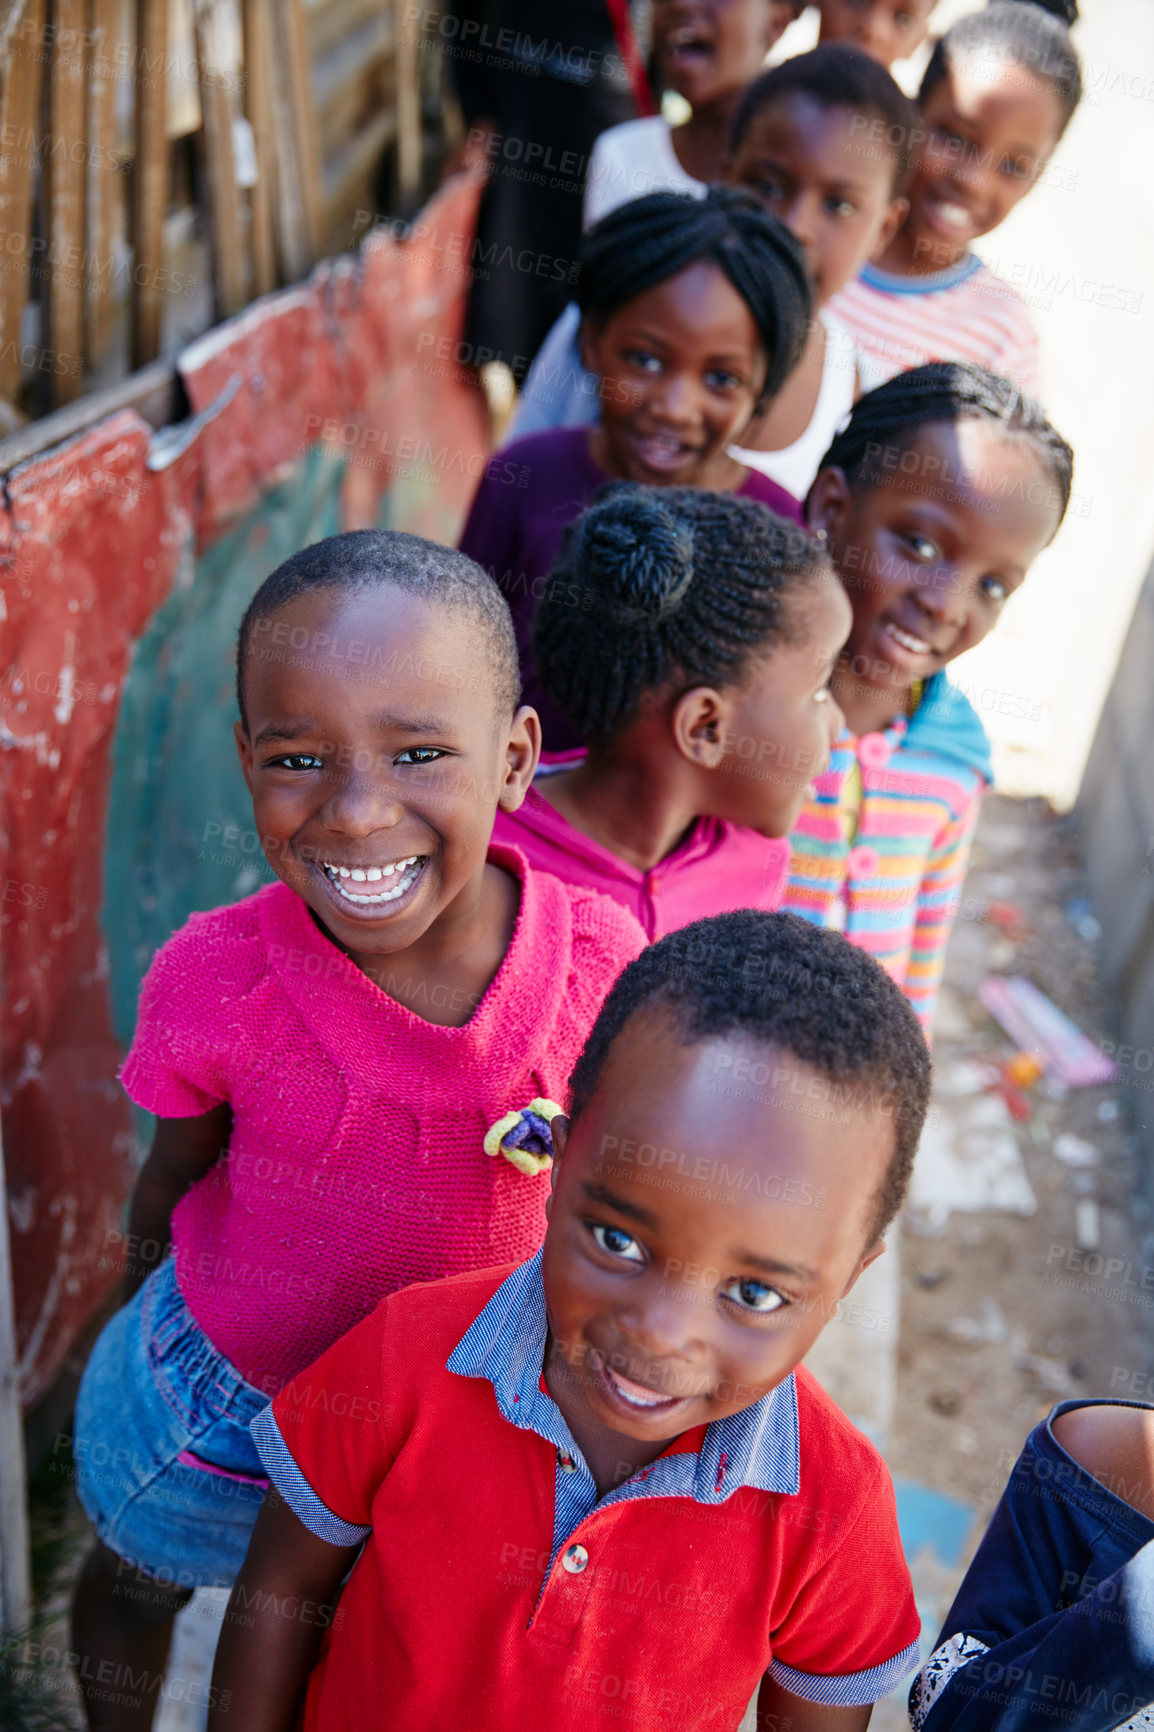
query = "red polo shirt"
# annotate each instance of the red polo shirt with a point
(497, 1592)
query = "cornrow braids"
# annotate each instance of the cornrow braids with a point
(892, 415)
(1017, 33)
(800, 989)
(382, 558)
(656, 584)
(837, 75)
(647, 241)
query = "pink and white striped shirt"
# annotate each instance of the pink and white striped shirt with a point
(964, 314)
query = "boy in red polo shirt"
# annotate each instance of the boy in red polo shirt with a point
(600, 1485)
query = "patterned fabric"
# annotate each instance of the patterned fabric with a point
(356, 1162)
(895, 890)
(496, 1588)
(963, 314)
(937, 1672)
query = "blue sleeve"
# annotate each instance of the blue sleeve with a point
(558, 391)
(1053, 1626)
(1089, 1667)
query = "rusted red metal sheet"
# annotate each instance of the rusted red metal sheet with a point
(366, 359)
(91, 541)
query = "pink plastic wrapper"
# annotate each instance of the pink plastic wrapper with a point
(1046, 1033)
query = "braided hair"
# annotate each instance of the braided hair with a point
(798, 988)
(655, 584)
(892, 416)
(645, 242)
(383, 558)
(1018, 33)
(837, 75)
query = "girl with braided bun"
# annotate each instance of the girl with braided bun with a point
(693, 313)
(934, 501)
(689, 636)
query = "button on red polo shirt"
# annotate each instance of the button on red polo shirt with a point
(497, 1592)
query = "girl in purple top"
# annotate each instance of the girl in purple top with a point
(694, 311)
(690, 637)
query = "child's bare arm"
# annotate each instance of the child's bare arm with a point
(281, 1604)
(182, 1152)
(780, 1710)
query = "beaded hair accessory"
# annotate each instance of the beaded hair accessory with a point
(525, 1138)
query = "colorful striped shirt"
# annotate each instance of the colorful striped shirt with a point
(894, 887)
(964, 314)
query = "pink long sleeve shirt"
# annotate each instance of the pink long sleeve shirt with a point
(717, 867)
(355, 1165)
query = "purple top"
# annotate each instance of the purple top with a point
(529, 494)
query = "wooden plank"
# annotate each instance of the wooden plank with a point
(290, 225)
(217, 85)
(20, 122)
(307, 137)
(104, 183)
(67, 155)
(258, 109)
(149, 183)
(406, 45)
(350, 179)
(333, 21)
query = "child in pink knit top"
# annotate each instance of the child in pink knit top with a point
(326, 1057)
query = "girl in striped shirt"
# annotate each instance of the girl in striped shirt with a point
(934, 500)
(996, 97)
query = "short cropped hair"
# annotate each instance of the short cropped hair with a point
(389, 558)
(800, 988)
(836, 75)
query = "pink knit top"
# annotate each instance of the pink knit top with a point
(355, 1164)
(716, 867)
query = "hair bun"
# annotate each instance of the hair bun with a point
(634, 550)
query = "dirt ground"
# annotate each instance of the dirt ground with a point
(1002, 1315)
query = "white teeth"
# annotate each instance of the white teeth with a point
(915, 645)
(633, 1393)
(404, 874)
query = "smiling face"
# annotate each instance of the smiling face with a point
(886, 30)
(808, 165)
(990, 133)
(707, 49)
(930, 545)
(682, 369)
(374, 766)
(701, 1231)
(783, 720)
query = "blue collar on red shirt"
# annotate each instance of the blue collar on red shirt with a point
(759, 1447)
